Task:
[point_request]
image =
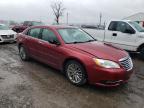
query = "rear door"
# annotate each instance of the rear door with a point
(33, 42)
(111, 32)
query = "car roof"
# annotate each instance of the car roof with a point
(56, 26)
(120, 20)
(32, 21)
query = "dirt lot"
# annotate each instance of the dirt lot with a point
(35, 85)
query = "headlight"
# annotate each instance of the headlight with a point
(106, 63)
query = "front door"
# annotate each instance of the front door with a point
(52, 54)
(122, 35)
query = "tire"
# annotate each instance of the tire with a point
(142, 53)
(75, 73)
(23, 54)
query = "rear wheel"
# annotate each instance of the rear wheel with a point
(75, 73)
(22, 53)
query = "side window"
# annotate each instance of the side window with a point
(48, 35)
(113, 26)
(121, 26)
(35, 32)
(124, 27)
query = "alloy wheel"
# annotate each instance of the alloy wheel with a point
(22, 53)
(74, 73)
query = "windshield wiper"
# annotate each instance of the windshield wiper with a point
(90, 40)
(74, 42)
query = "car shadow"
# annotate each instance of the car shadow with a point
(36, 62)
(87, 86)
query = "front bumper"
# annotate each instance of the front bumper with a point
(108, 77)
(7, 40)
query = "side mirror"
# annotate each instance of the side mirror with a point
(56, 42)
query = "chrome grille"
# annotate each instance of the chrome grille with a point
(126, 63)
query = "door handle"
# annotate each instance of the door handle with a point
(114, 34)
(40, 42)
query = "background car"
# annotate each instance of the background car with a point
(6, 34)
(26, 24)
(78, 55)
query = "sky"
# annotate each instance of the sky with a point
(79, 11)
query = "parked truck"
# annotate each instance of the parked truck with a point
(125, 34)
(26, 24)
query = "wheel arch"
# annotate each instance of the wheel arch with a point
(74, 59)
(139, 48)
(22, 44)
(19, 44)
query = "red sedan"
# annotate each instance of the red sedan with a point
(77, 54)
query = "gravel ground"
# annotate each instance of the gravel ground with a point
(35, 85)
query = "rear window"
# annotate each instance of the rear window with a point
(113, 26)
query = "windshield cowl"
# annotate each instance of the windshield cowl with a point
(80, 42)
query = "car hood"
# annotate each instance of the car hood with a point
(7, 32)
(101, 50)
(141, 33)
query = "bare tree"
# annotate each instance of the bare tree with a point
(58, 10)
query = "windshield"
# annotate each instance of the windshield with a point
(137, 26)
(74, 35)
(4, 27)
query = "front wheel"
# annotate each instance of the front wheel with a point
(142, 52)
(75, 73)
(22, 53)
